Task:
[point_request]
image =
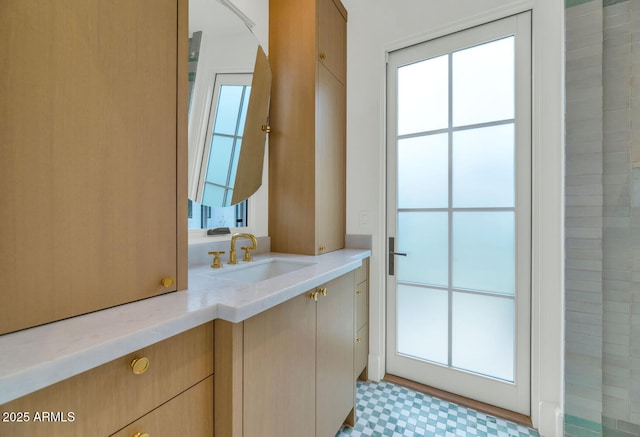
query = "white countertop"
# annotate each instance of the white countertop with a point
(37, 357)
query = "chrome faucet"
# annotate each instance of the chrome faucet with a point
(247, 250)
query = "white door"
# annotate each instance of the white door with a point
(458, 196)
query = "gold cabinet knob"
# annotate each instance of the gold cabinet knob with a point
(323, 291)
(323, 55)
(314, 295)
(322, 248)
(266, 128)
(141, 434)
(140, 365)
(167, 281)
(358, 339)
(358, 292)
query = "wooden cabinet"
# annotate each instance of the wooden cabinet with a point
(93, 149)
(335, 384)
(103, 400)
(288, 370)
(362, 320)
(307, 143)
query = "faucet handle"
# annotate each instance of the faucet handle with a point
(247, 254)
(216, 264)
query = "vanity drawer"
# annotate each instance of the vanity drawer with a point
(102, 400)
(189, 414)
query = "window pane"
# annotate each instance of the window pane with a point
(213, 195)
(228, 109)
(423, 323)
(423, 172)
(483, 251)
(423, 96)
(423, 236)
(483, 334)
(483, 167)
(219, 160)
(483, 83)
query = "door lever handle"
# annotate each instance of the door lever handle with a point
(392, 254)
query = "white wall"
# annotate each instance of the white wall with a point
(378, 26)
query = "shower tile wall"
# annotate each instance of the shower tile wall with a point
(602, 374)
(584, 216)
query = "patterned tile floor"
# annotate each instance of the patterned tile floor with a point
(385, 409)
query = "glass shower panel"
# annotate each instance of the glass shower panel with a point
(423, 323)
(483, 251)
(423, 172)
(423, 236)
(483, 83)
(483, 334)
(423, 96)
(483, 167)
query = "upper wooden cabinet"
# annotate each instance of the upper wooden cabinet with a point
(93, 150)
(307, 144)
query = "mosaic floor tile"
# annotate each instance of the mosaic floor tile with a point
(385, 409)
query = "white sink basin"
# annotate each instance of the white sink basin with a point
(261, 270)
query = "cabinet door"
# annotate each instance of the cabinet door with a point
(189, 414)
(335, 383)
(332, 37)
(330, 162)
(279, 370)
(88, 110)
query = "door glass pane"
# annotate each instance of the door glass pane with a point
(423, 96)
(423, 172)
(484, 251)
(483, 167)
(483, 330)
(483, 83)
(423, 236)
(423, 323)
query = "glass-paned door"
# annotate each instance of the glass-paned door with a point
(459, 154)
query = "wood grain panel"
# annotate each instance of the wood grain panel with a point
(88, 112)
(332, 35)
(228, 397)
(279, 371)
(189, 414)
(335, 383)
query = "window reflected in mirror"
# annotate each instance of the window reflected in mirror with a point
(208, 217)
(224, 137)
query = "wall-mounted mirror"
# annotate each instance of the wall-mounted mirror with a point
(230, 84)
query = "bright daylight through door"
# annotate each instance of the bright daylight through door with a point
(459, 213)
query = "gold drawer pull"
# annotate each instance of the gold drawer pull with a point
(140, 365)
(314, 295)
(358, 339)
(323, 291)
(167, 282)
(141, 434)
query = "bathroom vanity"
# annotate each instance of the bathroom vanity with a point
(273, 342)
